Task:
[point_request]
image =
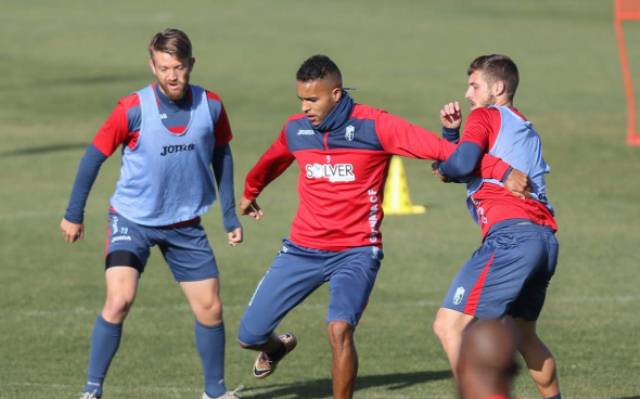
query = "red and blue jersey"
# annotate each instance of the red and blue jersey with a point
(342, 167)
(123, 125)
(505, 132)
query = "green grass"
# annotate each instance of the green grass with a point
(64, 64)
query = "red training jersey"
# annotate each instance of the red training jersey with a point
(342, 173)
(495, 203)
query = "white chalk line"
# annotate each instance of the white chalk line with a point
(81, 310)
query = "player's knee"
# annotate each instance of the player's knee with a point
(209, 312)
(527, 338)
(340, 334)
(440, 328)
(116, 308)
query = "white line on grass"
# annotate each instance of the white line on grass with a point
(386, 304)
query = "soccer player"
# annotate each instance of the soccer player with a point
(509, 274)
(342, 150)
(175, 148)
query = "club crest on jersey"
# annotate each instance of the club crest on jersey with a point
(340, 172)
(350, 133)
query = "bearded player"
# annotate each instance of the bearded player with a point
(509, 274)
(175, 149)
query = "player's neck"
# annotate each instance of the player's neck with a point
(503, 102)
(166, 101)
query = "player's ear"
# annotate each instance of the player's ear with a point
(336, 94)
(152, 66)
(499, 88)
(192, 62)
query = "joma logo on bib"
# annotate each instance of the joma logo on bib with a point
(340, 172)
(171, 149)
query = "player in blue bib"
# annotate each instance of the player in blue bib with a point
(175, 150)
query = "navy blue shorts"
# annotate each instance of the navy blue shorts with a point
(184, 247)
(508, 274)
(296, 272)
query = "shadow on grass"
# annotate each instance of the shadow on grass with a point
(43, 149)
(321, 388)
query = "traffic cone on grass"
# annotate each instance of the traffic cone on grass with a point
(396, 193)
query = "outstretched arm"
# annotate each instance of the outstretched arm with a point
(400, 137)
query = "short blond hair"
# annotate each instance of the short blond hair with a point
(171, 41)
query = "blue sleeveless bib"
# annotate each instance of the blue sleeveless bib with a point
(167, 178)
(519, 145)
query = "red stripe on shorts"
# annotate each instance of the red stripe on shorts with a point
(476, 291)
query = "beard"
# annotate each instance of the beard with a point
(176, 93)
(485, 102)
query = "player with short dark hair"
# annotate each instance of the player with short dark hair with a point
(318, 67)
(342, 150)
(175, 149)
(509, 274)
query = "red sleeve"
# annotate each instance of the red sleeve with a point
(271, 165)
(115, 129)
(399, 137)
(492, 167)
(223, 128)
(482, 127)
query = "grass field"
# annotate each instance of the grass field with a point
(64, 64)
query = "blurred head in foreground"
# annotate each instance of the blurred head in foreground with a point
(487, 366)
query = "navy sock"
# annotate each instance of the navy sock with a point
(105, 340)
(558, 396)
(210, 344)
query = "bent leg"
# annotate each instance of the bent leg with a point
(122, 284)
(294, 274)
(539, 360)
(345, 358)
(448, 327)
(204, 299)
(461, 303)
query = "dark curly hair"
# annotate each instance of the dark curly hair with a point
(318, 67)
